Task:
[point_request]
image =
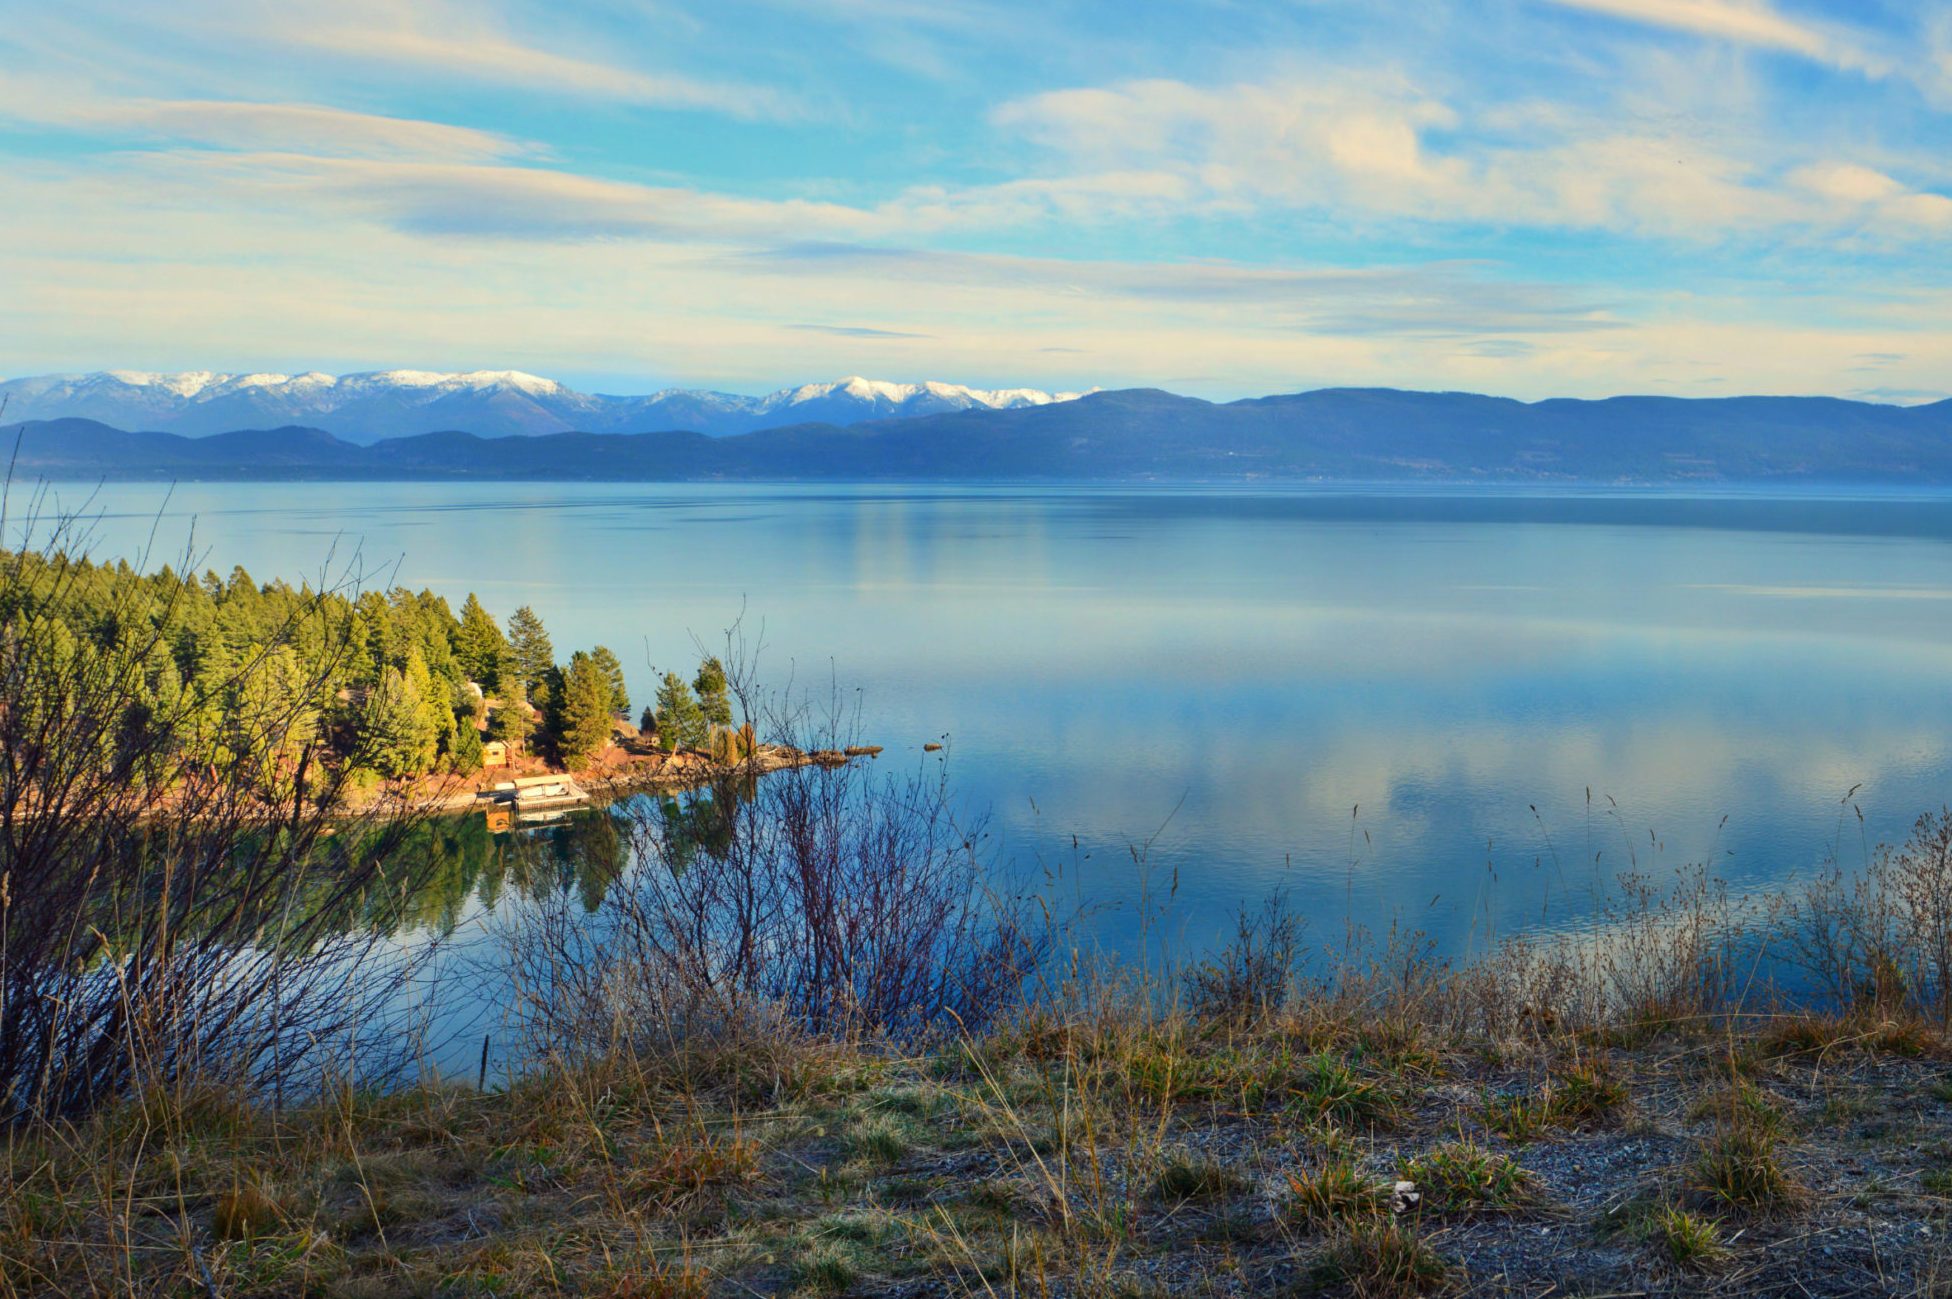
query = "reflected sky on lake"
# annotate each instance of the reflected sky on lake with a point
(1232, 673)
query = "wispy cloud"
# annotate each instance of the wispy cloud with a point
(1456, 299)
(1855, 188)
(447, 40)
(1371, 145)
(1499, 348)
(1746, 22)
(856, 331)
(235, 124)
(486, 200)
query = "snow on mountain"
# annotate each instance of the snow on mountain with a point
(370, 406)
(913, 398)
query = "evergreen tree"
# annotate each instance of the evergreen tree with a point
(370, 640)
(270, 720)
(210, 687)
(510, 722)
(433, 720)
(394, 738)
(681, 723)
(583, 711)
(432, 625)
(447, 727)
(544, 696)
(529, 643)
(479, 645)
(465, 758)
(714, 693)
(613, 676)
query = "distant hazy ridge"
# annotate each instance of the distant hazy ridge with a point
(1137, 434)
(383, 404)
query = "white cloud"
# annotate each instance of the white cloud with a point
(1846, 182)
(235, 124)
(1878, 196)
(1378, 148)
(501, 60)
(1746, 22)
(1359, 145)
(491, 201)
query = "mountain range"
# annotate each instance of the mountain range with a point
(366, 408)
(1335, 434)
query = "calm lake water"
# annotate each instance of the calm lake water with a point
(1232, 673)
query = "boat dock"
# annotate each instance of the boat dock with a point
(533, 798)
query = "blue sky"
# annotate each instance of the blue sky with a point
(1532, 197)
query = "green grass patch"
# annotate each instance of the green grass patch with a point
(1184, 1175)
(1686, 1239)
(1379, 1260)
(880, 1139)
(1327, 1089)
(1742, 1104)
(1585, 1095)
(1516, 1116)
(1742, 1167)
(1464, 1177)
(1333, 1191)
(826, 1267)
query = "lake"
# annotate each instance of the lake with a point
(1442, 707)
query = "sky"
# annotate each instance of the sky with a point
(1526, 197)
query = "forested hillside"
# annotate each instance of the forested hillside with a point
(392, 684)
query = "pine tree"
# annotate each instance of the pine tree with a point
(447, 727)
(393, 734)
(613, 676)
(479, 645)
(528, 641)
(270, 719)
(371, 618)
(510, 722)
(681, 723)
(583, 711)
(433, 720)
(465, 757)
(714, 694)
(210, 689)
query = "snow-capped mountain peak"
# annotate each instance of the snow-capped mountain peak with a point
(187, 384)
(950, 396)
(471, 380)
(371, 405)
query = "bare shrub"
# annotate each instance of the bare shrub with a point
(824, 899)
(1881, 941)
(1254, 974)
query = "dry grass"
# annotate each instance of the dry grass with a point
(1740, 1167)
(1017, 1162)
(1380, 1260)
(1336, 1191)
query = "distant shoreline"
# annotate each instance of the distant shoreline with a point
(609, 783)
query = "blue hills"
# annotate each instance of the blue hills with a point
(1334, 434)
